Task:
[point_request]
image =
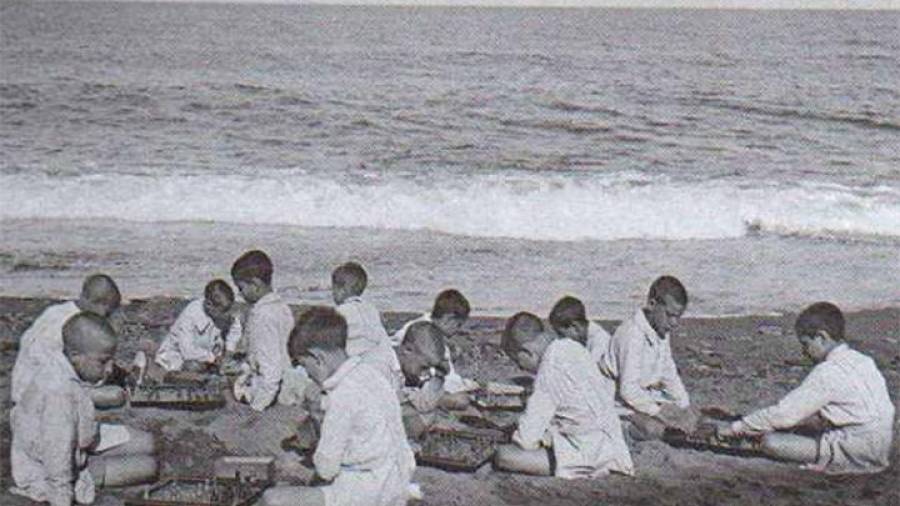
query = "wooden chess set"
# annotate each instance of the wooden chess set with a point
(489, 401)
(459, 449)
(236, 491)
(185, 397)
(705, 439)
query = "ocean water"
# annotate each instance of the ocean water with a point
(586, 126)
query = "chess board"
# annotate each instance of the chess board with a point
(200, 492)
(185, 397)
(459, 450)
(498, 402)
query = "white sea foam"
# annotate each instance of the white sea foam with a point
(542, 207)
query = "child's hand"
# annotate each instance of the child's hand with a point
(725, 431)
(682, 419)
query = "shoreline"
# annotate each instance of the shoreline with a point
(754, 275)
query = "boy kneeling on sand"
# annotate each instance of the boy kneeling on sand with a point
(845, 389)
(570, 420)
(59, 452)
(362, 448)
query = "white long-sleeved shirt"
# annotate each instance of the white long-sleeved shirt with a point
(641, 364)
(363, 446)
(847, 389)
(42, 340)
(367, 338)
(597, 341)
(453, 382)
(53, 425)
(268, 328)
(574, 404)
(194, 336)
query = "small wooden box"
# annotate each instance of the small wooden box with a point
(256, 469)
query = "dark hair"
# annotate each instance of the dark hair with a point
(521, 328)
(253, 265)
(100, 288)
(218, 286)
(567, 311)
(427, 339)
(351, 275)
(84, 328)
(821, 316)
(450, 302)
(668, 285)
(320, 328)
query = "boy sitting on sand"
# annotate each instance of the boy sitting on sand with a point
(570, 411)
(449, 314)
(639, 360)
(845, 389)
(365, 332)
(196, 341)
(362, 449)
(55, 437)
(44, 341)
(268, 372)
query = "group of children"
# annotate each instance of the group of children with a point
(371, 395)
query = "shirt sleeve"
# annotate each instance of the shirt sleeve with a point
(802, 402)
(58, 447)
(268, 366)
(672, 383)
(628, 358)
(335, 434)
(170, 354)
(598, 342)
(539, 411)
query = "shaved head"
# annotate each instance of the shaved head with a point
(100, 295)
(427, 340)
(88, 333)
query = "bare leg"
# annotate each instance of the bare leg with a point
(515, 459)
(123, 470)
(792, 447)
(643, 427)
(139, 443)
(291, 496)
(108, 396)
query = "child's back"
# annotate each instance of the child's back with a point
(363, 445)
(574, 403)
(53, 419)
(42, 339)
(364, 327)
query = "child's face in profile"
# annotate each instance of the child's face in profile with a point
(664, 316)
(449, 324)
(315, 365)
(92, 367)
(217, 307)
(339, 293)
(527, 358)
(814, 347)
(413, 363)
(251, 289)
(576, 331)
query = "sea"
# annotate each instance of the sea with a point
(519, 154)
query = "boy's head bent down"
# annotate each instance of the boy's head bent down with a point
(89, 342)
(820, 328)
(450, 311)
(422, 348)
(348, 280)
(318, 342)
(218, 299)
(99, 295)
(252, 273)
(667, 300)
(569, 319)
(525, 341)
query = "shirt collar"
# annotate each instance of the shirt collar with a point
(338, 376)
(644, 326)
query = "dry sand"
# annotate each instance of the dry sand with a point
(736, 363)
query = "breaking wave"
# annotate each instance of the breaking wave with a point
(529, 206)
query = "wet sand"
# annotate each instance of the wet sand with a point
(736, 363)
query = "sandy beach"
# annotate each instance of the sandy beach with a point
(736, 363)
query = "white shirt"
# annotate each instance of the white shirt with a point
(268, 328)
(453, 382)
(574, 404)
(363, 446)
(847, 389)
(367, 338)
(194, 336)
(42, 340)
(53, 425)
(641, 363)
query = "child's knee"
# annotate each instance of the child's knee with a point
(505, 457)
(279, 496)
(771, 443)
(141, 442)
